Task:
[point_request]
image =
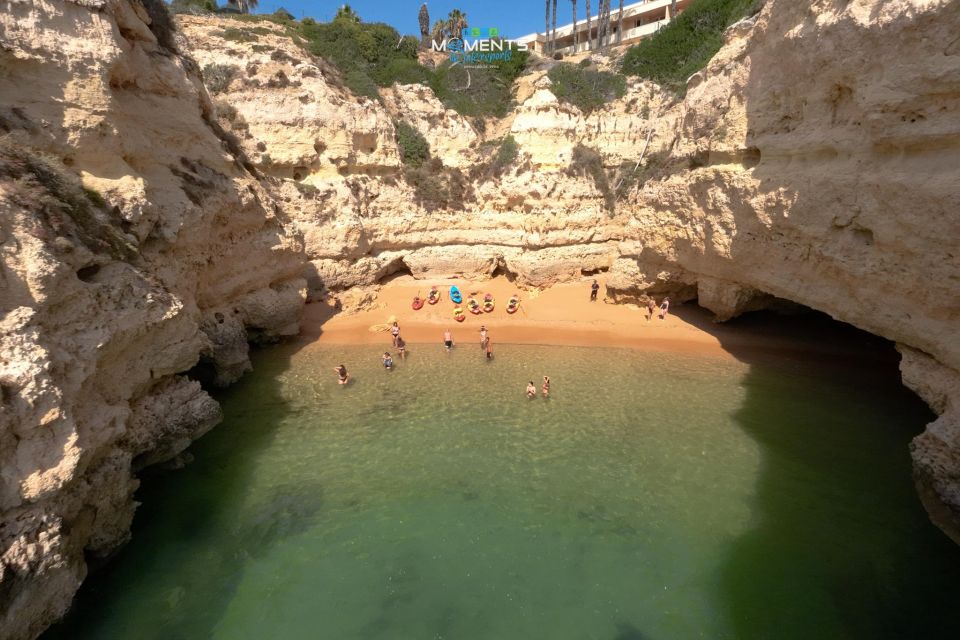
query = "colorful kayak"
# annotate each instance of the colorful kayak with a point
(434, 296)
(455, 296)
(474, 306)
(488, 303)
(417, 303)
(458, 314)
(513, 305)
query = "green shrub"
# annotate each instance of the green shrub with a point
(500, 154)
(401, 71)
(218, 76)
(238, 35)
(588, 162)
(414, 149)
(685, 45)
(283, 14)
(438, 187)
(587, 89)
(506, 154)
(195, 7)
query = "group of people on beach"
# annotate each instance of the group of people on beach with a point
(651, 303)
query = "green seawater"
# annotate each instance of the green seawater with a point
(653, 496)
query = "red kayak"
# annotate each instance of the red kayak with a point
(417, 303)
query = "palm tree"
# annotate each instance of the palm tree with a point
(546, 29)
(346, 12)
(244, 6)
(424, 18)
(576, 36)
(457, 21)
(554, 25)
(440, 30)
(620, 24)
(589, 46)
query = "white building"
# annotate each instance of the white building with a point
(638, 21)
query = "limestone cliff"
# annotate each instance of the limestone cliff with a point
(168, 196)
(133, 244)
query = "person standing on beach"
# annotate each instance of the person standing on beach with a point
(664, 308)
(342, 374)
(531, 390)
(594, 288)
(395, 332)
(448, 339)
(651, 308)
(546, 386)
(483, 337)
(402, 346)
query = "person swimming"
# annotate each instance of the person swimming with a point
(531, 390)
(342, 374)
(387, 360)
(448, 339)
(546, 386)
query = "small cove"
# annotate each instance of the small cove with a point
(654, 495)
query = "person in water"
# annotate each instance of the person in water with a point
(546, 386)
(664, 308)
(402, 346)
(594, 288)
(342, 374)
(651, 308)
(531, 390)
(448, 339)
(395, 332)
(483, 337)
(387, 360)
(488, 349)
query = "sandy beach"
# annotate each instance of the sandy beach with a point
(560, 315)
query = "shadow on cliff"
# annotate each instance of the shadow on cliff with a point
(208, 505)
(832, 423)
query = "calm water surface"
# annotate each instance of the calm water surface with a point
(654, 496)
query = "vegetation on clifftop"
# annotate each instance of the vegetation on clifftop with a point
(685, 45)
(585, 88)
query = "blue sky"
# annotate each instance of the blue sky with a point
(513, 17)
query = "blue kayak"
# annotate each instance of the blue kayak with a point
(455, 295)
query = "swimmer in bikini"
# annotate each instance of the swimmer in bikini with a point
(531, 390)
(546, 386)
(342, 374)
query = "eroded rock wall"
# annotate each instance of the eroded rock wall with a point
(129, 231)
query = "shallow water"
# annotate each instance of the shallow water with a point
(652, 496)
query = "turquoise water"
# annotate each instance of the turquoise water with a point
(654, 496)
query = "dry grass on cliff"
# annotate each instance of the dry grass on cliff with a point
(54, 198)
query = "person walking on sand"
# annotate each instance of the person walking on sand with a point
(342, 374)
(531, 390)
(395, 332)
(664, 308)
(448, 339)
(387, 360)
(402, 346)
(483, 337)
(651, 308)
(546, 386)
(594, 288)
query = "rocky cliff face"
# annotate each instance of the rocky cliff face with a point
(133, 244)
(167, 197)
